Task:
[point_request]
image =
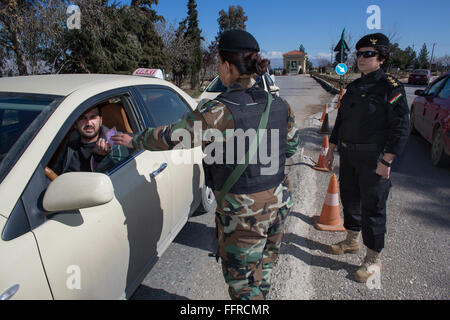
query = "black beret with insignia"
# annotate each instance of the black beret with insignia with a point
(373, 40)
(237, 41)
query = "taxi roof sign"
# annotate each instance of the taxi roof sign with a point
(145, 72)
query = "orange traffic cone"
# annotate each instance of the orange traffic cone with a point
(321, 162)
(325, 111)
(325, 126)
(330, 219)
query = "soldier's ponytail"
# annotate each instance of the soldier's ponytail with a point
(247, 62)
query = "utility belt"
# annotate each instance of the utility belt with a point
(372, 147)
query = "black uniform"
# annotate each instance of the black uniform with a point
(373, 119)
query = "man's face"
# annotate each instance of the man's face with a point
(89, 124)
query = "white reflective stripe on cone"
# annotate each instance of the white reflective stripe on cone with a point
(324, 151)
(332, 199)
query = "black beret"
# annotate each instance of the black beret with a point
(373, 40)
(237, 41)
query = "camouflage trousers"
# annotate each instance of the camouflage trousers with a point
(249, 229)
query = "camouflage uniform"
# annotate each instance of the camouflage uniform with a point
(249, 226)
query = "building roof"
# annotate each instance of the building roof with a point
(294, 53)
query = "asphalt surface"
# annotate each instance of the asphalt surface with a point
(415, 260)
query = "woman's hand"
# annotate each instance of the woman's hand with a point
(123, 139)
(383, 171)
(329, 157)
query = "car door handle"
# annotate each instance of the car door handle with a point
(10, 292)
(159, 170)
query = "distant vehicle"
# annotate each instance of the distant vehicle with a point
(216, 87)
(430, 116)
(420, 76)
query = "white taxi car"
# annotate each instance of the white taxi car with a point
(216, 87)
(84, 235)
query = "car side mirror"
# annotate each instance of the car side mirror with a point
(419, 93)
(78, 190)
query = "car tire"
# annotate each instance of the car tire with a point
(208, 203)
(438, 156)
(412, 128)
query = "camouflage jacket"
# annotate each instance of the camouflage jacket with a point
(211, 114)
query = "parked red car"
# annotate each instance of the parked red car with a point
(419, 76)
(430, 116)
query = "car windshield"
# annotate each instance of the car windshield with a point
(420, 71)
(216, 86)
(21, 116)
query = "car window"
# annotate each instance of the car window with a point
(74, 155)
(163, 106)
(216, 86)
(21, 117)
(445, 92)
(421, 71)
(434, 89)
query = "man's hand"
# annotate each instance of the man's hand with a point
(102, 148)
(123, 139)
(329, 158)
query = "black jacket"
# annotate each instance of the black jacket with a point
(374, 110)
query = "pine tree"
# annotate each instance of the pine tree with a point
(234, 19)
(302, 49)
(423, 57)
(193, 34)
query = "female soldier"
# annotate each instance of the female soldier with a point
(254, 203)
(371, 129)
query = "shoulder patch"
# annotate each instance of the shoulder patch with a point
(206, 104)
(395, 98)
(393, 82)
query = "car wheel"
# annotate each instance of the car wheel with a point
(208, 203)
(412, 128)
(438, 156)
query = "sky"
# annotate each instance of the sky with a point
(280, 26)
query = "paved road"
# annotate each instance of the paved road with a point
(185, 271)
(415, 260)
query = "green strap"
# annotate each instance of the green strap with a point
(239, 170)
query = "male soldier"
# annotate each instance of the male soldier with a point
(251, 216)
(371, 129)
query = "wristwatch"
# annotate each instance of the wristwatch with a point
(387, 164)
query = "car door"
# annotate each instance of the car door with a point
(22, 275)
(437, 107)
(165, 106)
(429, 109)
(104, 251)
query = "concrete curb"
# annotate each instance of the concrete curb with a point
(326, 85)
